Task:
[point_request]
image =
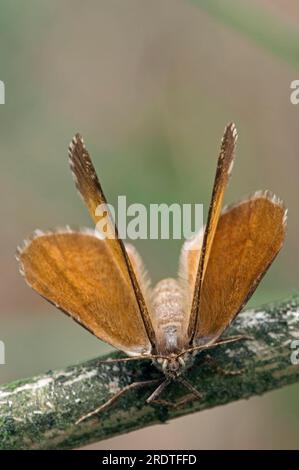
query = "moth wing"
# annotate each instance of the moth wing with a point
(188, 267)
(89, 187)
(248, 237)
(224, 168)
(141, 274)
(189, 260)
(76, 272)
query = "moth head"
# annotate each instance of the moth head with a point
(174, 365)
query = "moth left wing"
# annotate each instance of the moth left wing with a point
(249, 235)
(142, 275)
(76, 272)
(89, 187)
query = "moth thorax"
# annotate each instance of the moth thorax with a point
(169, 317)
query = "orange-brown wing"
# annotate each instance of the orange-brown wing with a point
(248, 237)
(76, 272)
(189, 260)
(141, 274)
(224, 167)
(90, 189)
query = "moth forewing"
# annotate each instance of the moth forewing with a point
(89, 187)
(223, 171)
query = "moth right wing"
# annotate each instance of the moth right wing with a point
(78, 274)
(224, 168)
(249, 235)
(91, 191)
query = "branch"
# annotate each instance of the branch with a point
(40, 412)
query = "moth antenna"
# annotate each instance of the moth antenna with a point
(230, 339)
(123, 359)
(127, 359)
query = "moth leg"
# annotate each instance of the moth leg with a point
(194, 395)
(210, 360)
(174, 405)
(115, 397)
(190, 387)
(152, 398)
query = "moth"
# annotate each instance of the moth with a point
(103, 285)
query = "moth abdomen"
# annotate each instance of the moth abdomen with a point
(169, 316)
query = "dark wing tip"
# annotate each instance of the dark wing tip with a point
(230, 134)
(228, 146)
(75, 145)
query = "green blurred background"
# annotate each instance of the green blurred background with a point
(150, 85)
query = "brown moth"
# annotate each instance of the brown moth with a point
(102, 284)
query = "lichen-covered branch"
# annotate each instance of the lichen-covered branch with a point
(40, 412)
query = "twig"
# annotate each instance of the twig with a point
(40, 412)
